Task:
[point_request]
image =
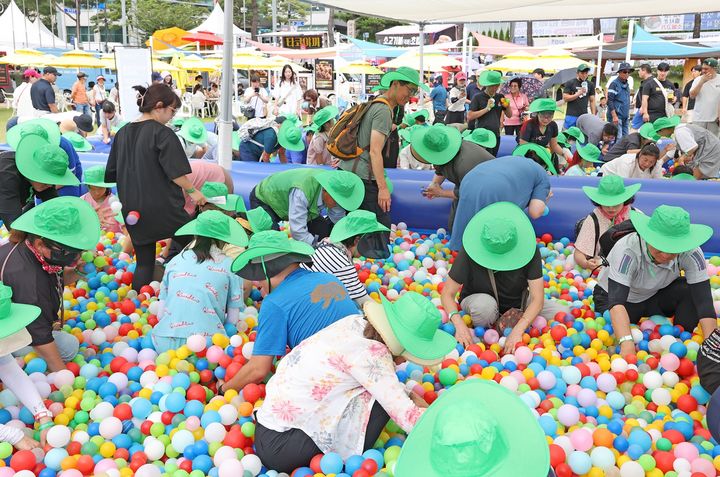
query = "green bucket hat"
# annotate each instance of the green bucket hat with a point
(215, 224)
(475, 428)
(268, 246)
(68, 221)
(42, 127)
(115, 129)
(326, 114)
(590, 152)
(14, 317)
(683, 177)
(177, 122)
(95, 176)
(406, 133)
(665, 123)
(669, 229)
(290, 135)
(404, 73)
(357, 222)
(647, 131)
(611, 191)
(575, 133)
(79, 143)
(490, 78)
(257, 220)
(562, 139)
(437, 144)
(217, 194)
(344, 187)
(500, 237)
(40, 161)
(193, 131)
(410, 328)
(481, 136)
(410, 118)
(543, 104)
(540, 151)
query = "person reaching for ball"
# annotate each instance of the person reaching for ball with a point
(100, 196)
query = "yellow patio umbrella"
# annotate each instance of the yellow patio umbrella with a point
(167, 38)
(281, 61)
(519, 61)
(431, 61)
(26, 57)
(76, 59)
(192, 63)
(360, 68)
(556, 59)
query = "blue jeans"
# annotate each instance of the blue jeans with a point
(82, 108)
(11, 122)
(623, 127)
(569, 122)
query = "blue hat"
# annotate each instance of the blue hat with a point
(156, 76)
(625, 66)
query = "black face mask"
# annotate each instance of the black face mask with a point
(61, 255)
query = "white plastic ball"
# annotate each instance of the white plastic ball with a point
(181, 439)
(251, 463)
(110, 427)
(58, 436)
(214, 432)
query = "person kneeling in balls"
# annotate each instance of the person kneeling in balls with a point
(645, 275)
(100, 197)
(297, 303)
(45, 240)
(198, 292)
(499, 270)
(336, 391)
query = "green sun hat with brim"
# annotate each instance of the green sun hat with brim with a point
(647, 131)
(684, 177)
(575, 133)
(95, 176)
(42, 127)
(590, 153)
(437, 144)
(481, 136)
(344, 187)
(490, 78)
(79, 143)
(500, 237)
(562, 139)
(328, 113)
(665, 123)
(378, 87)
(410, 327)
(193, 131)
(257, 220)
(290, 135)
(115, 129)
(406, 133)
(264, 247)
(215, 224)
(410, 118)
(357, 222)
(217, 194)
(404, 73)
(475, 428)
(541, 152)
(611, 191)
(542, 105)
(40, 161)
(177, 122)
(14, 317)
(68, 221)
(669, 230)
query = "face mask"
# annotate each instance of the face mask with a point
(305, 105)
(62, 256)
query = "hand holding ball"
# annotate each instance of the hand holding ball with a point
(132, 218)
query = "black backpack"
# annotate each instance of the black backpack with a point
(612, 235)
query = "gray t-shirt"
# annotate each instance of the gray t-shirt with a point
(377, 118)
(592, 126)
(630, 265)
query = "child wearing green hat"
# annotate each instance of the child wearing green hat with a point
(100, 197)
(658, 270)
(589, 158)
(194, 137)
(540, 129)
(199, 293)
(612, 200)
(699, 148)
(323, 121)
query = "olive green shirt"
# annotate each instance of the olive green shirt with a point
(377, 118)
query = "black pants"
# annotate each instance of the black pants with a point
(513, 130)
(439, 117)
(378, 241)
(319, 226)
(286, 451)
(145, 260)
(673, 300)
(455, 117)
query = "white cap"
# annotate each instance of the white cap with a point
(165, 74)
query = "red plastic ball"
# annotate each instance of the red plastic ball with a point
(127, 307)
(123, 411)
(687, 403)
(251, 393)
(315, 463)
(196, 392)
(369, 466)
(557, 455)
(23, 460)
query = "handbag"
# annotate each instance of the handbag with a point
(512, 316)
(669, 108)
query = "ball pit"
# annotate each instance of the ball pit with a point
(121, 409)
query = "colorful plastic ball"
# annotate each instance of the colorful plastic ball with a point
(631, 469)
(580, 462)
(568, 415)
(196, 343)
(23, 460)
(182, 439)
(251, 463)
(231, 468)
(148, 470)
(58, 436)
(602, 458)
(110, 427)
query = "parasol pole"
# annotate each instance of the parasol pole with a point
(224, 151)
(599, 60)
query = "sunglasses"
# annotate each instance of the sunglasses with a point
(60, 248)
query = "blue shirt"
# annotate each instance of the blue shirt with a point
(264, 140)
(618, 99)
(506, 179)
(303, 304)
(439, 98)
(75, 167)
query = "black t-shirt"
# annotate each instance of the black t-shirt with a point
(656, 97)
(530, 132)
(31, 285)
(42, 95)
(626, 143)
(16, 192)
(491, 119)
(686, 94)
(511, 285)
(144, 160)
(578, 107)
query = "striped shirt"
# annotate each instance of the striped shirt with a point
(333, 259)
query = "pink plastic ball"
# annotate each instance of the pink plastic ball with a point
(214, 354)
(581, 440)
(491, 336)
(606, 382)
(586, 398)
(523, 355)
(196, 343)
(546, 379)
(70, 473)
(568, 415)
(687, 451)
(703, 466)
(670, 362)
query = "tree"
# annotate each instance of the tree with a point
(259, 14)
(369, 25)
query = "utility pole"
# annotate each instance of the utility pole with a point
(123, 12)
(77, 25)
(331, 26)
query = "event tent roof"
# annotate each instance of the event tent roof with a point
(492, 46)
(444, 11)
(214, 23)
(647, 45)
(16, 31)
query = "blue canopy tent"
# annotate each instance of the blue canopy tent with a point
(647, 45)
(370, 49)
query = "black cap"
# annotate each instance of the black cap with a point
(84, 122)
(663, 67)
(539, 71)
(81, 75)
(51, 70)
(624, 66)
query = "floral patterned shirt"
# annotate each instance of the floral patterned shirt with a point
(326, 387)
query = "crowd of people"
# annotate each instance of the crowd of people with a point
(315, 312)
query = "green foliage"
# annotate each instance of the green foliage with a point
(370, 25)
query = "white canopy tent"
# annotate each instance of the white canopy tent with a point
(214, 24)
(17, 31)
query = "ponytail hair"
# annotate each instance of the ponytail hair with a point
(161, 93)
